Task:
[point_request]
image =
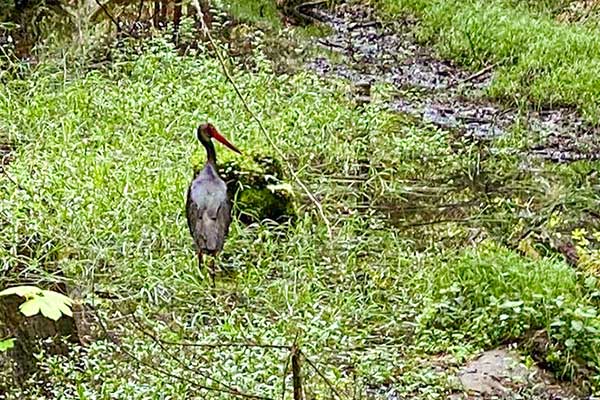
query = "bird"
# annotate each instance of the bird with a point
(208, 208)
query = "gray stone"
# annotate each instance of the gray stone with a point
(500, 374)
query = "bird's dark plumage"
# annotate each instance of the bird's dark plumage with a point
(207, 207)
(208, 211)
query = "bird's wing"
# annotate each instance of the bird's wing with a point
(224, 217)
(188, 209)
(194, 216)
(209, 215)
(216, 217)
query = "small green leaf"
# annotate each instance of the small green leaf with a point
(7, 344)
(586, 312)
(511, 304)
(576, 325)
(557, 323)
(282, 187)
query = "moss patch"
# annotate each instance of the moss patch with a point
(257, 185)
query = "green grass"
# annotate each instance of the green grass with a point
(493, 287)
(542, 62)
(103, 159)
(255, 11)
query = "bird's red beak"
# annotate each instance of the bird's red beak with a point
(215, 134)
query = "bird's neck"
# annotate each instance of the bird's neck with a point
(211, 154)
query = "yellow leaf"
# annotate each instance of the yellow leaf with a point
(51, 304)
(23, 291)
(527, 247)
(30, 307)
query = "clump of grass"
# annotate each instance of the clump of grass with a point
(253, 11)
(492, 296)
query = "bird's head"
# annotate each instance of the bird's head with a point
(207, 131)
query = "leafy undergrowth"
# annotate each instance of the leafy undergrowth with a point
(99, 172)
(543, 59)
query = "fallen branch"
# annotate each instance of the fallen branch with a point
(473, 76)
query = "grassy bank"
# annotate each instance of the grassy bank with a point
(541, 60)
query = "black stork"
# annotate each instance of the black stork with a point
(207, 207)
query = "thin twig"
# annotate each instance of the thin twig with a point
(229, 389)
(285, 370)
(327, 381)
(438, 221)
(473, 76)
(330, 44)
(109, 16)
(162, 371)
(139, 15)
(4, 172)
(230, 344)
(297, 372)
(258, 121)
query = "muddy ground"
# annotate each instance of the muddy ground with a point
(437, 91)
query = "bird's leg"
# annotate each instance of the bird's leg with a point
(200, 261)
(211, 269)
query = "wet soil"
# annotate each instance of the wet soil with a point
(437, 91)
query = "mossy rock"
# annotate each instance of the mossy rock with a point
(257, 186)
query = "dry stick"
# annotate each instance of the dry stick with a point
(297, 373)
(258, 121)
(230, 389)
(313, 366)
(109, 16)
(473, 76)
